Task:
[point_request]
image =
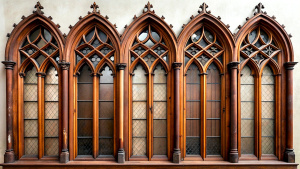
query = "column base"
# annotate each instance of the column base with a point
(234, 157)
(121, 156)
(176, 156)
(289, 156)
(9, 157)
(64, 157)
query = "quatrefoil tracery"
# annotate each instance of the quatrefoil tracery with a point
(39, 48)
(149, 47)
(259, 47)
(95, 48)
(203, 47)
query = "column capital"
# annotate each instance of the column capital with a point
(176, 65)
(64, 65)
(289, 65)
(233, 65)
(40, 74)
(9, 64)
(121, 66)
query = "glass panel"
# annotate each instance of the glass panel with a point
(268, 111)
(105, 50)
(193, 110)
(46, 35)
(89, 36)
(34, 34)
(40, 59)
(160, 112)
(85, 111)
(252, 36)
(213, 111)
(196, 36)
(30, 113)
(139, 111)
(51, 113)
(106, 112)
(103, 36)
(143, 35)
(209, 35)
(41, 43)
(264, 36)
(95, 59)
(149, 43)
(155, 35)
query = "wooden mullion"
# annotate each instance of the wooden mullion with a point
(277, 117)
(41, 99)
(184, 118)
(203, 115)
(151, 132)
(21, 144)
(258, 110)
(149, 117)
(74, 127)
(95, 116)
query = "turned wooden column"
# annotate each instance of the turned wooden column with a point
(64, 156)
(233, 155)
(289, 155)
(176, 153)
(121, 152)
(9, 156)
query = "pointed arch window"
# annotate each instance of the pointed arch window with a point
(260, 62)
(95, 85)
(149, 93)
(40, 111)
(203, 103)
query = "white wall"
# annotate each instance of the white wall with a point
(176, 12)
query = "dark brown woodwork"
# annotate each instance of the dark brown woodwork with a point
(176, 153)
(64, 156)
(234, 157)
(218, 113)
(9, 156)
(289, 155)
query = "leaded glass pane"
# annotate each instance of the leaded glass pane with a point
(106, 112)
(84, 112)
(139, 111)
(213, 111)
(160, 112)
(193, 110)
(247, 111)
(268, 113)
(30, 113)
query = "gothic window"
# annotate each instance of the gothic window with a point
(203, 60)
(95, 95)
(149, 60)
(38, 67)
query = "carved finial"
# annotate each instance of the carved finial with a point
(50, 17)
(23, 17)
(265, 12)
(183, 25)
(162, 17)
(125, 26)
(65, 35)
(39, 8)
(148, 7)
(239, 27)
(106, 17)
(282, 26)
(273, 17)
(259, 8)
(57, 25)
(192, 17)
(80, 17)
(219, 17)
(290, 35)
(14, 25)
(171, 25)
(134, 17)
(94, 6)
(89, 12)
(204, 7)
(70, 26)
(247, 18)
(115, 25)
(8, 35)
(227, 26)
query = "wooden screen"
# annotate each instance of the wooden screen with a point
(268, 111)
(39, 56)
(149, 53)
(213, 111)
(193, 111)
(95, 95)
(247, 111)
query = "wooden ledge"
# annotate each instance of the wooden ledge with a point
(151, 164)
